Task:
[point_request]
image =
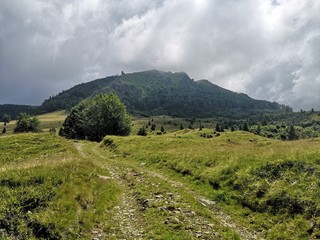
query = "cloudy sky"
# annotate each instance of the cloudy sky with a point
(269, 49)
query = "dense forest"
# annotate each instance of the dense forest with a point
(165, 93)
(13, 110)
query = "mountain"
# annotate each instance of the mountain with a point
(13, 110)
(156, 93)
(165, 93)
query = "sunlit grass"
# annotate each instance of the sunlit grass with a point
(266, 184)
(49, 191)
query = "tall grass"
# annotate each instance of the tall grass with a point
(268, 185)
(44, 196)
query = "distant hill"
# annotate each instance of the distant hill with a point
(155, 92)
(13, 110)
(163, 93)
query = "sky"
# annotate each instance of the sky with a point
(268, 49)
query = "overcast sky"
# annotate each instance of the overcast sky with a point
(269, 49)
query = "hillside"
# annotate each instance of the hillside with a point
(174, 186)
(13, 110)
(165, 93)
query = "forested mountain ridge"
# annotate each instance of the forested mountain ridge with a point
(13, 110)
(165, 93)
(155, 92)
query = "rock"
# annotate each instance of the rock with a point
(159, 196)
(198, 235)
(103, 177)
(206, 202)
(211, 225)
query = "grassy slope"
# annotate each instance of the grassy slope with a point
(47, 121)
(38, 175)
(268, 185)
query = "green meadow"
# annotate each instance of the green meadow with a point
(177, 185)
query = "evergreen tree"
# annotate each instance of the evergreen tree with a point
(181, 126)
(245, 127)
(162, 129)
(258, 129)
(292, 135)
(153, 127)
(142, 132)
(4, 130)
(218, 128)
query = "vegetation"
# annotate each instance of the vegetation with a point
(27, 123)
(48, 191)
(166, 93)
(6, 118)
(70, 98)
(97, 117)
(184, 184)
(142, 132)
(268, 186)
(13, 110)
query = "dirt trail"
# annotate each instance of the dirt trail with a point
(129, 215)
(128, 222)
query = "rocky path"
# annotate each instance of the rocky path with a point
(150, 199)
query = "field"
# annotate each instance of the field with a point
(177, 185)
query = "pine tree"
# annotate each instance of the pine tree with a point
(218, 128)
(245, 127)
(142, 132)
(292, 135)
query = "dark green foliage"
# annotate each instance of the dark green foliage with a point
(153, 127)
(96, 117)
(165, 93)
(181, 126)
(13, 110)
(52, 130)
(6, 118)
(142, 132)
(245, 127)
(218, 127)
(162, 129)
(292, 135)
(23, 197)
(27, 123)
(4, 130)
(282, 131)
(71, 97)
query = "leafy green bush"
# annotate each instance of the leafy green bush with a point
(97, 117)
(27, 123)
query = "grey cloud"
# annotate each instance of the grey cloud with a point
(268, 49)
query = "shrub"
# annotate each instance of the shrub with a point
(6, 118)
(142, 132)
(94, 118)
(27, 123)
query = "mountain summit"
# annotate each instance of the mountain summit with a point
(165, 93)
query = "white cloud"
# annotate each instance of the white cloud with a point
(266, 48)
